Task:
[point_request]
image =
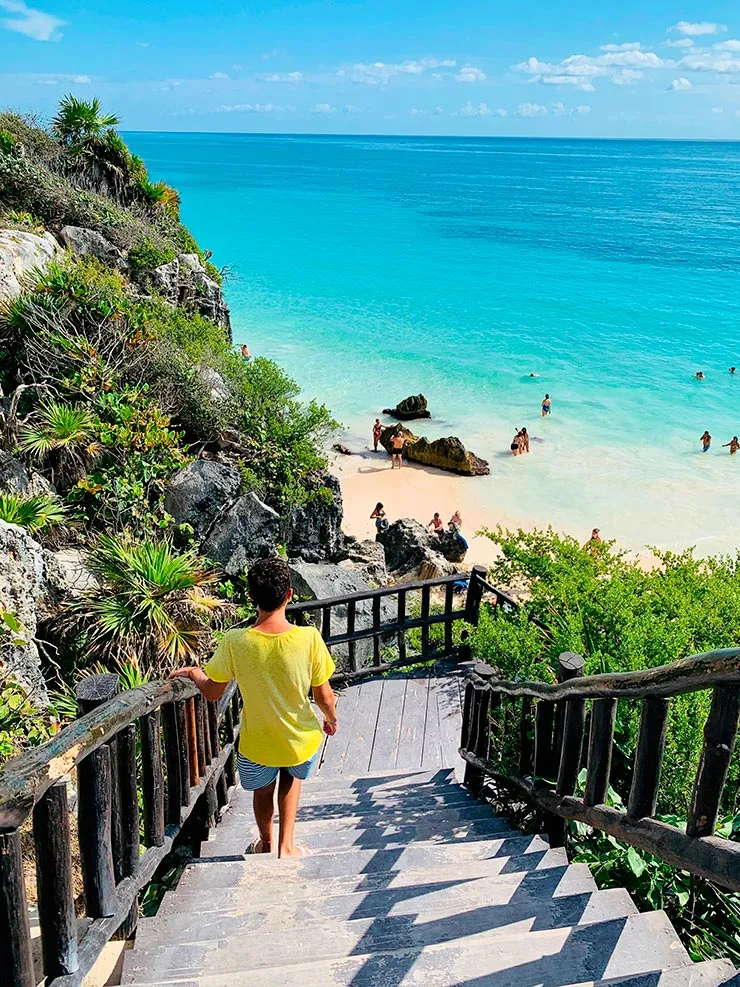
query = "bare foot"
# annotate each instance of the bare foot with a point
(295, 851)
(258, 846)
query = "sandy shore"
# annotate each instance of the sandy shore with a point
(416, 492)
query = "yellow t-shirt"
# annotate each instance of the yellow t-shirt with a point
(275, 673)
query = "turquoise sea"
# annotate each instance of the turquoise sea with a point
(373, 268)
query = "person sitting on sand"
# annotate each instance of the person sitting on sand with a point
(276, 666)
(546, 405)
(734, 445)
(377, 432)
(397, 443)
(381, 521)
(706, 441)
(436, 524)
(699, 375)
(244, 350)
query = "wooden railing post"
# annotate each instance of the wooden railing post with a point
(449, 600)
(376, 630)
(16, 958)
(57, 922)
(425, 607)
(569, 727)
(95, 810)
(720, 733)
(183, 750)
(649, 758)
(601, 739)
(545, 764)
(152, 779)
(476, 728)
(172, 760)
(475, 594)
(401, 620)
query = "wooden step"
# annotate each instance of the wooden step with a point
(536, 900)
(252, 888)
(381, 781)
(330, 839)
(360, 808)
(510, 853)
(620, 946)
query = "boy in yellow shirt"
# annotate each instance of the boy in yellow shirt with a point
(276, 665)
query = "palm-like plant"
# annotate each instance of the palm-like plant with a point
(57, 426)
(79, 123)
(153, 605)
(32, 513)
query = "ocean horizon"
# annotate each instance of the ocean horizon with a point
(373, 267)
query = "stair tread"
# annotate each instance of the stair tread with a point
(249, 883)
(558, 896)
(320, 816)
(571, 954)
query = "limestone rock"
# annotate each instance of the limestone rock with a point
(198, 493)
(412, 552)
(16, 478)
(21, 590)
(446, 453)
(318, 581)
(314, 531)
(184, 281)
(66, 575)
(166, 279)
(414, 406)
(248, 530)
(367, 558)
(90, 243)
(20, 254)
(217, 386)
(453, 547)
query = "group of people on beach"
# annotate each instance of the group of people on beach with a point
(397, 444)
(520, 442)
(436, 525)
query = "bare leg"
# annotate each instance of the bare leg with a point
(289, 791)
(264, 810)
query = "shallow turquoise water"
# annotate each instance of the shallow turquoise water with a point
(372, 268)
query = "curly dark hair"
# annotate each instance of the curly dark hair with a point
(269, 583)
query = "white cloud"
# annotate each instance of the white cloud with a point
(627, 76)
(143, 44)
(33, 23)
(281, 77)
(559, 109)
(695, 28)
(731, 45)
(378, 73)
(717, 109)
(501, 113)
(475, 110)
(531, 110)
(710, 61)
(623, 64)
(582, 110)
(680, 84)
(82, 80)
(218, 75)
(250, 108)
(679, 43)
(470, 73)
(324, 108)
(629, 46)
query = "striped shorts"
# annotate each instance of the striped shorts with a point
(255, 776)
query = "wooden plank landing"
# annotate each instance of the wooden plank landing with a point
(397, 722)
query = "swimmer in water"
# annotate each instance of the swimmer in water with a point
(706, 441)
(546, 405)
(699, 375)
(732, 370)
(734, 445)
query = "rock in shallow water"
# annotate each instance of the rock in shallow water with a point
(414, 406)
(447, 453)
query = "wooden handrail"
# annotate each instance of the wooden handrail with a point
(693, 674)
(559, 721)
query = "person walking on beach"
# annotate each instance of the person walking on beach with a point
(381, 521)
(377, 431)
(436, 524)
(546, 405)
(706, 441)
(734, 445)
(276, 665)
(397, 444)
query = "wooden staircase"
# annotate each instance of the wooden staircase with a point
(411, 881)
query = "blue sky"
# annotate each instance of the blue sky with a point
(383, 66)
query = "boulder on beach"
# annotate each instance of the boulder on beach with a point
(413, 552)
(446, 453)
(414, 406)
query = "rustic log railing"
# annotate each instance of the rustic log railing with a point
(185, 773)
(548, 770)
(366, 624)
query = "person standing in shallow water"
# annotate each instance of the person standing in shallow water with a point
(276, 665)
(397, 444)
(734, 445)
(546, 406)
(377, 432)
(706, 441)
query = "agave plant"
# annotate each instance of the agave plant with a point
(153, 607)
(79, 123)
(32, 513)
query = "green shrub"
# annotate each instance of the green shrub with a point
(146, 255)
(7, 142)
(23, 724)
